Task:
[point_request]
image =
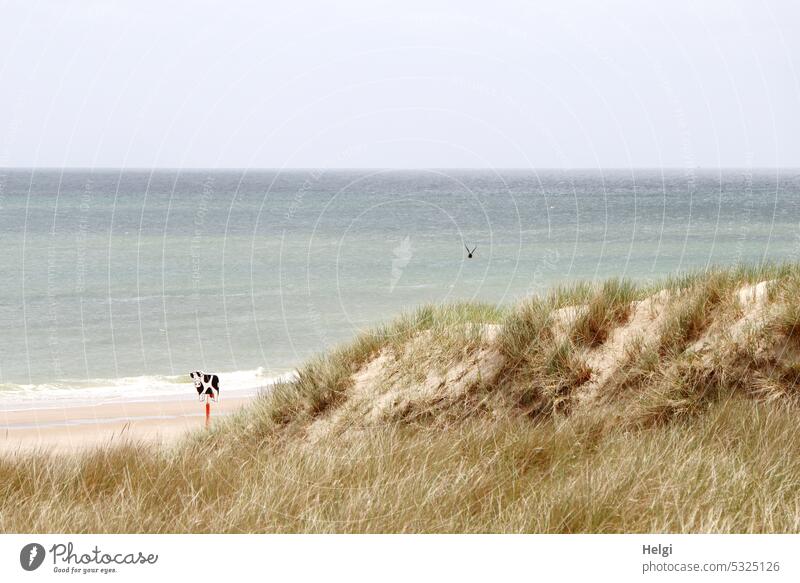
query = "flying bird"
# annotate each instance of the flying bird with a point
(469, 253)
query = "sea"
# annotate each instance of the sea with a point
(118, 283)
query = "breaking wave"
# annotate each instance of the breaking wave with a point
(74, 392)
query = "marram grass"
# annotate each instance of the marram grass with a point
(677, 442)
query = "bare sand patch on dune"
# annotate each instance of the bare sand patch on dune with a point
(383, 390)
(641, 329)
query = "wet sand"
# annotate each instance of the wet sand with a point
(71, 429)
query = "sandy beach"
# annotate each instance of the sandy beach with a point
(75, 428)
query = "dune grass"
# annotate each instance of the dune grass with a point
(680, 442)
(608, 307)
(733, 469)
(323, 381)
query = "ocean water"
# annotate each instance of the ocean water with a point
(123, 281)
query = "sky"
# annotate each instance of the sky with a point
(535, 84)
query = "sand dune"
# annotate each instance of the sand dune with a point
(610, 407)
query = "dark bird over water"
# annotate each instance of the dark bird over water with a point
(469, 253)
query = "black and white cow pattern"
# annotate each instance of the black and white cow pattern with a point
(206, 384)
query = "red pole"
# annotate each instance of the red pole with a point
(208, 414)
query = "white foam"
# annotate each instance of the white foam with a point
(74, 392)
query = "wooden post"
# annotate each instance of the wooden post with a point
(208, 412)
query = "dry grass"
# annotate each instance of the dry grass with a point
(695, 432)
(609, 307)
(733, 469)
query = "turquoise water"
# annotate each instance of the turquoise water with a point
(122, 278)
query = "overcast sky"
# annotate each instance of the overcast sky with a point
(400, 84)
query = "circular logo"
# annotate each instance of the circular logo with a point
(31, 556)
